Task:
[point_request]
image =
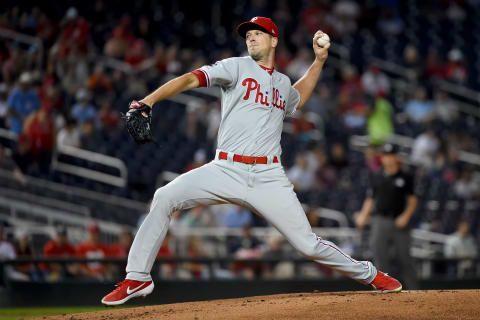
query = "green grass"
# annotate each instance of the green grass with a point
(25, 313)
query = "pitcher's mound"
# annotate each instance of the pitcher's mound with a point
(443, 304)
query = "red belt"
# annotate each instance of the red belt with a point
(246, 159)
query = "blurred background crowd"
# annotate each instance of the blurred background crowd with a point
(78, 64)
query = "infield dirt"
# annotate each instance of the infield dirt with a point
(442, 304)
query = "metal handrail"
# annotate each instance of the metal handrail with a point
(55, 215)
(120, 181)
(407, 142)
(20, 37)
(47, 202)
(448, 87)
(80, 192)
(8, 134)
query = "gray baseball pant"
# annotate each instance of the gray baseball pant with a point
(262, 188)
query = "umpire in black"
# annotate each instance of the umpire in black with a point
(392, 201)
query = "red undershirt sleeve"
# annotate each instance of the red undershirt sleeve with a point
(202, 79)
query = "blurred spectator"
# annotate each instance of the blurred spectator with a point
(201, 216)
(303, 126)
(373, 159)
(122, 247)
(196, 118)
(7, 250)
(424, 148)
(380, 122)
(276, 270)
(22, 155)
(199, 159)
(195, 250)
(411, 61)
(433, 66)
(107, 116)
(167, 270)
(300, 175)
(346, 13)
(246, 241)
(83, 111)
(117, 45)
(467, 185)
(59, 247)
(445, 107)
(13, 65)
(461, 245)
(172, 65)
(455, 69)
(213, 121)
(246, 246)
(39, 128)
(51, 98)
(326, 176)
(7, 162)
(300, 64)
(316, 16)
(455, 12)
(137, 53)
(375, 82)
(24, 249)
(69, 135)
(3, 105)
(350, 101)
(74, 35)
(236, 217)
(321, 102)
(389, 22)
(420, 109)
(93, 248)
(99, 82)
(338, 158)
(282, 59)
(22, 101)
(88, 135)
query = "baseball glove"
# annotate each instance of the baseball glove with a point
(138, 121)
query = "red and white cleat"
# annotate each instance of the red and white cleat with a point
(385, 284)
(126, 290)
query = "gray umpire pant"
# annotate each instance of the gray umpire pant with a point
(385, 237)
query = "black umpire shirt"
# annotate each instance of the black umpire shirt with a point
(390, 193)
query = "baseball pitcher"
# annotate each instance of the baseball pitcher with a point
(246, 170)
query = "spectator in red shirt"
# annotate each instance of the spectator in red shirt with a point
(195, 250)
(93, 248)
(455, 69)
(167, 270)
(59, 247)
(39, 127)
(121, 248)
(109, 118)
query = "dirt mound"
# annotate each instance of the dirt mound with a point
(443, 304)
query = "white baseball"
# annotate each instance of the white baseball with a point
(323, 40)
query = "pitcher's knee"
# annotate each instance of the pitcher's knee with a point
(162, 200)
(310, 250)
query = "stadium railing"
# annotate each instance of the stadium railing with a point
(429, 266)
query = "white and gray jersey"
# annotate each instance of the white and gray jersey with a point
(254, 104)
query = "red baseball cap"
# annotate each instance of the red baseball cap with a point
(93, 228)
(259, 23)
